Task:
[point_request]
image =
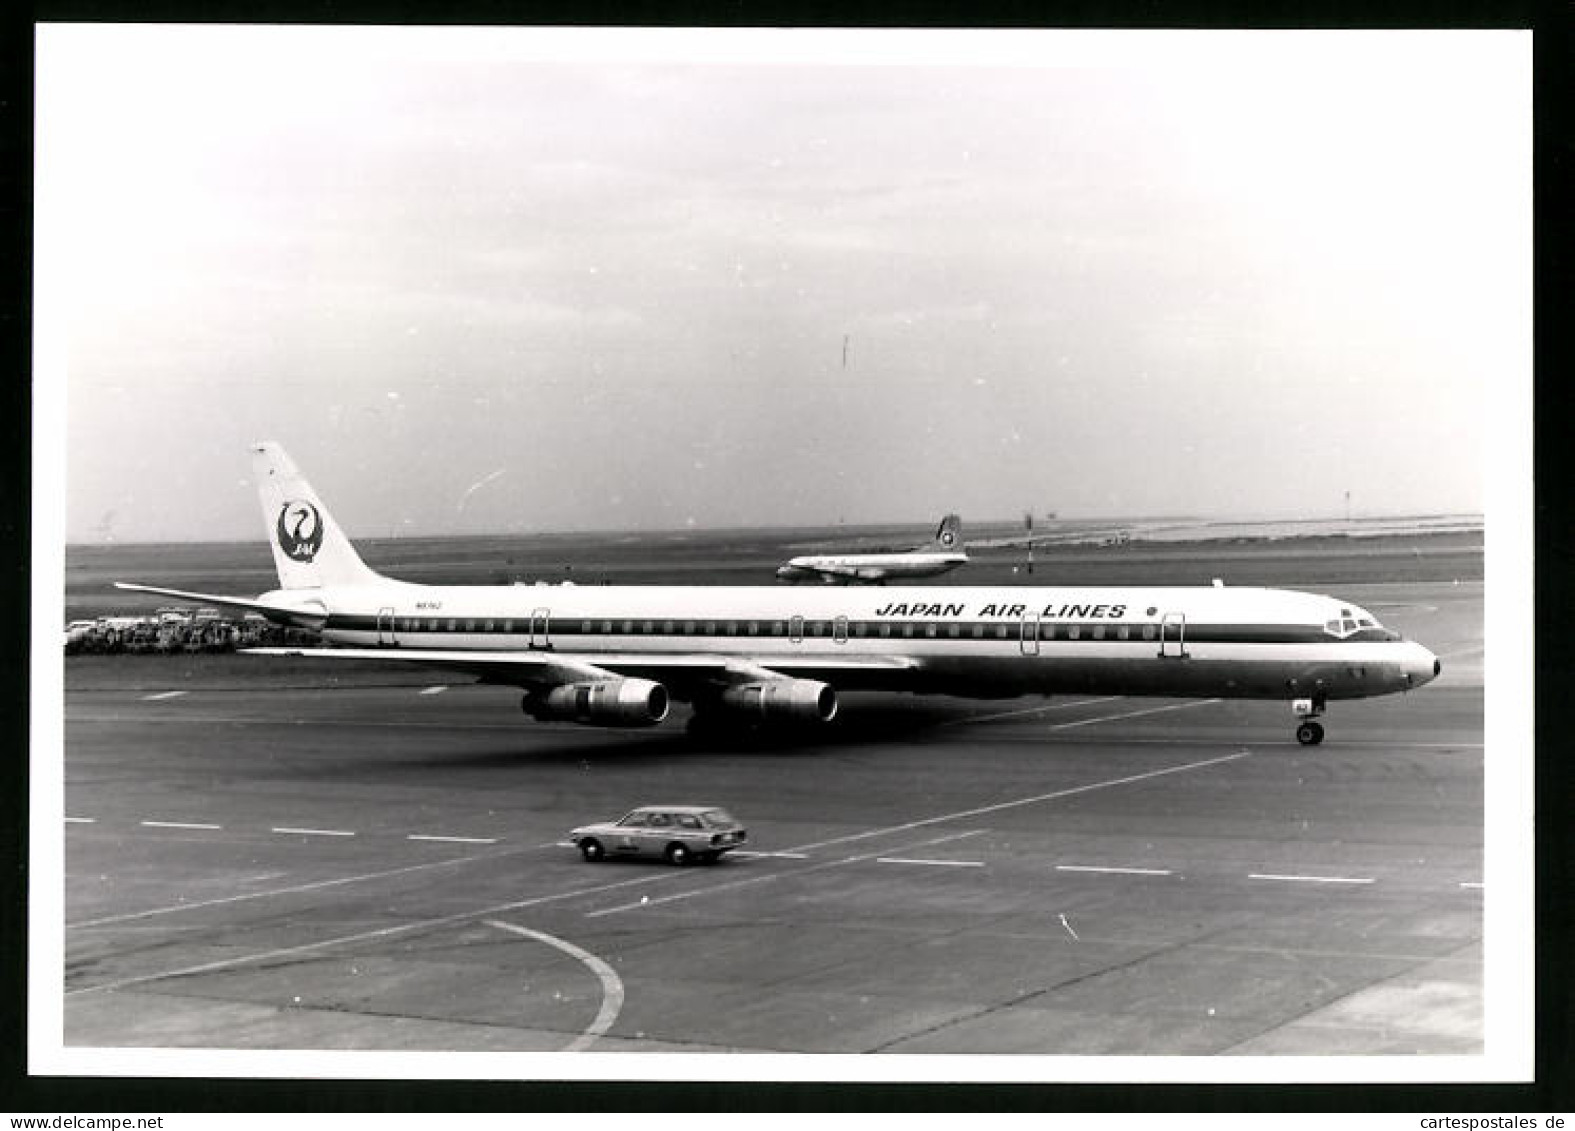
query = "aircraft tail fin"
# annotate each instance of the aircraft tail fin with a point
(948, 536)
(309, 549)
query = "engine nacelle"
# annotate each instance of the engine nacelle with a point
(801, 700)
(602, 702)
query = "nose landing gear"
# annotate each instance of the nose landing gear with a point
(1309, 732)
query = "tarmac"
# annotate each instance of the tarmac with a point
(281, 857)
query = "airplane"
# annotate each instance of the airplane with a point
(764, 655)
(943, 552)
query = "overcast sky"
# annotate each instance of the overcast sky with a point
(511, 280)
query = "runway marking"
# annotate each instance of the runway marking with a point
(781, 855)
(163, 695)
(360, 936)
(438, 690)
(176, 825)
(1310, 879)
(1038, 798)
(1132, 714)
(936, 863)
(612, 986)
(1028, 711)
(1118, 871)
(313, 832)
(646, 902)
(453, 839)
(294, 889)
(80, 820)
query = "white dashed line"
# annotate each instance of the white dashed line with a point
(454, 839)
(163, 695)
(938, 863)
(1311, 879)
(314, 832)
(176, 825)
(1116, 871)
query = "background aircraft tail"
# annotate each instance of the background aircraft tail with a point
(309, 549)
(948, 536)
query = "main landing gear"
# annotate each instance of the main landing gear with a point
(1308, 731)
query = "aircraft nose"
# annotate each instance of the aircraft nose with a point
(1421, 667)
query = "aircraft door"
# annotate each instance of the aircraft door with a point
(1173, 636)
(385, 627)
(1030, 634)
(539, 625)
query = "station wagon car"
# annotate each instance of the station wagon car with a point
(676, 833)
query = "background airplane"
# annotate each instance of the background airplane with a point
(942, 553)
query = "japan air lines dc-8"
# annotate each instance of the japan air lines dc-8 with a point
(617, 655)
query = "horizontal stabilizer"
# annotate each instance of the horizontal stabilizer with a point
(298, 618)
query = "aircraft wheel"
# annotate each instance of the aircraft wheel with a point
(1309, 734)
(592, 850)
(678, 855)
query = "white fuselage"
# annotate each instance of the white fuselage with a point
(972, 641)
(871, 567)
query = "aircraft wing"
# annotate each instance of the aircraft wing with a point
(550, 668)
(300, 618)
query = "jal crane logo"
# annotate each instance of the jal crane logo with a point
(300, 530)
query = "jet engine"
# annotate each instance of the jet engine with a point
(602, 702)
(799, 700)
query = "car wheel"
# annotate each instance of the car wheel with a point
(592, 850)
(678, 855)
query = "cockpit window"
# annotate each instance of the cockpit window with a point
(1358, 622)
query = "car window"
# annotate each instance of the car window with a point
(688, 821)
